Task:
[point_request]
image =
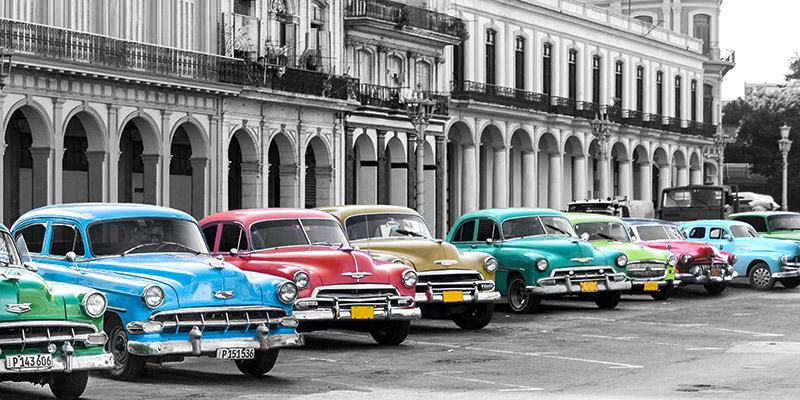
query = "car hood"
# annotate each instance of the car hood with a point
(762, 244)
(326, 265)
(634, 252)
(565, 251)
(784, 235)
(422, 254)
(194, 278)
(20, 289)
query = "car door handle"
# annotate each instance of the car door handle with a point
(473, 246)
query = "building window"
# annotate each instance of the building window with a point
(645, 18)
(708, 103)
(395, 72)
(678, 95)
(519, 62)
(490, 57)
(458, 63)
(640, 89)
(694, 100)
(244, 7)
(547, 71)
(423, 76)
(660, 93)
(364, 66)
(596, 79)
(572, 72)
(618, 84)
(702, 30)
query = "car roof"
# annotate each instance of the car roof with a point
(89, 212)
(345, 211)
(719, 222)
(762, 213)
(646, 221)
(506, 213)
(588, 217)
(251, 215)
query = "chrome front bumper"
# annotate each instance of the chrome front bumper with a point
(197, 346)
(434, 292)
(787, 271)
(569, 287)
(69, 364)
(689, 279)
(337, 313)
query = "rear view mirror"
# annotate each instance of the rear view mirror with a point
(30, 266)
(234, 252)
(585, 236)
(70, 256)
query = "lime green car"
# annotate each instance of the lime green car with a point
(782, 225)
(651, 271)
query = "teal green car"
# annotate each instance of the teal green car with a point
(782, 225)
(50, 333)
(651, 271)
(540, 256)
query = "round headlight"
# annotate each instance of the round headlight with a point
(685, 258)
(152, 296)
(94, 304)
(542, 264)
(490, 264)
(622, 260)
(301, 279)
(409, 278)
(732, 259)
(784, 259)
(672, 260)
(287, 292)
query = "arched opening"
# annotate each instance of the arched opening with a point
(366, 170)
(549, 179)
(398, 174)
(19, 168)
(243, 171)
(461, 172)
(695, 169)
(522, 165)
(318, 177)
(74, 166)
(187, 170)
(621, 173)
(234, 175)
(711, 173)
(282, 179)
(642, 174)
(680, 170)
(137, 167)
(493, 170)
(575, 168)
(661, 172)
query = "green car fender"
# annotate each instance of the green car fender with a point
(522, 263)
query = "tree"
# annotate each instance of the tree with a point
(794, 68)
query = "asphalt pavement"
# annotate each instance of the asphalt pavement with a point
(741, 344)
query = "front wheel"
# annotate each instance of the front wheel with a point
(391, 333)
(69, 386)
(608, 300)
(518, 298)
(714, 288)
(664, 293)
(260, 365)
(476, 317)
(761, 277)
(790, 283)
(127, 366)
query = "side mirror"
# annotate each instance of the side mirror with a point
(728, 238)
(489, 241)
(356, 247)
(234, 252)
(220, 257)
(584, 236)
(70, 256)
(30, 266)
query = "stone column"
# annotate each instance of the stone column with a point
(112, 193)
(411, 172)
(166, 150)
(96, 161)
(150, 183)
(349, 166)
(554, 181)
(578, 177)
(664, 177)
(646, 180)
(605, 183)
(288, 175)
(683, 175)
(250, 176)
(58, 143)
(199, 165)
(499, 178)
(469, 181)
(696, 176)
(42, 175)
(441, 187)
(324, 177)
(625, 178)
(384, 169)
(528, 178)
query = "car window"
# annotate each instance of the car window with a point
(715, 233)
(34, 237)
(465, 232)
(144, 235)
(383, 225)
(521, 227)
(232, 237)
(783, 222)
(210, 234)
(697, 233)
(297, 232)
(758, 223)
(603, 231)
(487, 229)
(63, 239)
(8, 251)
(743, 231)
(555, 225)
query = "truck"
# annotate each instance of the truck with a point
(694, 202)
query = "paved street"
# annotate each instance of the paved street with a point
(742, 344)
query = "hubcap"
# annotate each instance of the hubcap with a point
(119, 348)
(761, 277)
(517, 296)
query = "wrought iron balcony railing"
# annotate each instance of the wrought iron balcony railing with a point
(478, 91)
(96, 50)
(713, 52)
(389, 98)
(402, 15)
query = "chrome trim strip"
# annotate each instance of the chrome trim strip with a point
(449, 272)
(437, 298)
(47, 323)
(576, 289)
(348, 286)
(117, 309)
(194, 310)
(76, 363)
(330, 314)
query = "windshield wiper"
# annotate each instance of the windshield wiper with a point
(604, 236)
(139, 246)
(407, 232)
(555, 228)
(325, 243)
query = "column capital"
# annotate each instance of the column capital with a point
(252, 167)
(40, 151)
(324, 172)
(148, 158)
(288, 169)
(96, 155)
(198, 162)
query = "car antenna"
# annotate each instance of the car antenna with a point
(366, 221)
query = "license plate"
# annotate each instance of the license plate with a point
(716, 272)
(236, 354)
(451, 296)
(29, 362)
(362, 312)
(651, 286)
(588, 286)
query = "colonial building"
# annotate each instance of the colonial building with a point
(214, 105)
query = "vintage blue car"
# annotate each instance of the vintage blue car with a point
(763, 261)
(167, 298)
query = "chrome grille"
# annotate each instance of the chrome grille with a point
(440, 281)
(646, 270)
(376, 295)
(581, 274)
(19, 334)
(218, 319)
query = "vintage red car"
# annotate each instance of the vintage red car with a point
(340, 287)
(698, 263)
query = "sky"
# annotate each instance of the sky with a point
(765, 34)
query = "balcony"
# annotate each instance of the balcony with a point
(720, 61)
(481, 92)
(106, 55)
(384, 17)
(385, 98)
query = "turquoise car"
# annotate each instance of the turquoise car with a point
(764, 261)
(540, 256)
(782, 225)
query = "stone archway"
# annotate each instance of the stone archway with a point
(27, 158)
(461, 172)
(429, 175)
(522, 165)
(282, 173)
(83, 160)
(318, 175)
(695, 169)
(550, 173)
(493, 170)
(680, 169)
(137, 167)
(243, 171)
(575, 167)
(188, 169)
(398, 172)
(642, 174)
(622, 172)
(366, 171)
(662, 178)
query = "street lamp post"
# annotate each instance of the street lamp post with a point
(419, 109)
(784, 144)
(5, 68)
(600, 129)
(719, 149)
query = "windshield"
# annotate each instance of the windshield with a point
(297, 232)
(521, 227)
(377, 226)
(658, 232)
(742, 231)
(700, 197)
(145, 235)
(555, 225)
(8, 251)
(603, 231)
(784, 222)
